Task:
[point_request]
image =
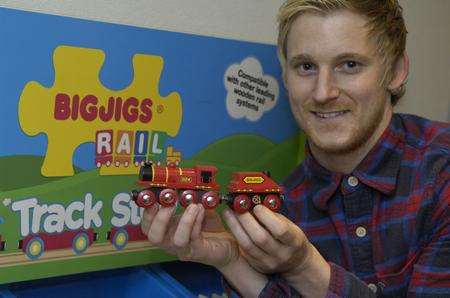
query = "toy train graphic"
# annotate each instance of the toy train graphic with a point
(79, 240)
(168, 185)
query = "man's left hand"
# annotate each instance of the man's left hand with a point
(269, 241)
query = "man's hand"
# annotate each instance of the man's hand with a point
(269, 241)
(273, 244)
(195, 235)
(199, 236)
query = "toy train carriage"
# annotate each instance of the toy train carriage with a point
(248, 189)
(169, 184)
(35, 245)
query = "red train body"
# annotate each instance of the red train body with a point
(248, 189)
(199, 177)
(167, 185)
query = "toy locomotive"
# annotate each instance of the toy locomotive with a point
(169, 184)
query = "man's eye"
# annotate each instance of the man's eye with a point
(350, 67)
(351, 64)
(305, 68)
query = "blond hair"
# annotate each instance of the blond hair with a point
(385, 22)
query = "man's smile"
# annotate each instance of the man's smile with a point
(330, 115)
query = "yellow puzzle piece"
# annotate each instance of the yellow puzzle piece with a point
(78, 106)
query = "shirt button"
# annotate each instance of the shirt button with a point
(361, 232)
(372, 287)
(352, 181)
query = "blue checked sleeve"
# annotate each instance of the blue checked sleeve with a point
(342, 284)
(275, 287)
(346, 284)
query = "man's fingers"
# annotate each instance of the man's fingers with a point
(197, 229)
(258, 234)
(185, 226)
(147, 218)
(245, 242)
(159, 225)
(278, 225)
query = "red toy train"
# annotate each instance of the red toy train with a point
(167, 185)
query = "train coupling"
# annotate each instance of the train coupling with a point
(226, 198)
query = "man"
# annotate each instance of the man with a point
(369, 207)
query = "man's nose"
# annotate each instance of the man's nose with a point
(325, 88)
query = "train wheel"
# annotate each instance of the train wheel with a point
(35, 248)
(242, 203)
(120, 239)
(210, 200)
(168, 197)
(80, 243)
(188, 197)
(273, 202)
(146, 198)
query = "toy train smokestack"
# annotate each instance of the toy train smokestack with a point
(145, 172)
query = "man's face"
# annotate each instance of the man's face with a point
(333, 76)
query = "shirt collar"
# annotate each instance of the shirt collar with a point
(377, 170)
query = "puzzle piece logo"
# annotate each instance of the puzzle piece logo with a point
(79, 109)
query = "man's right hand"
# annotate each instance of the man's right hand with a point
(195, 235)
(199, 236)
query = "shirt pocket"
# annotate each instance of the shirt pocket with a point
(399, 278)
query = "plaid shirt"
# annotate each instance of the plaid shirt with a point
(385, 228)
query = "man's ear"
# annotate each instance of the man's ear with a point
(400, 72)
